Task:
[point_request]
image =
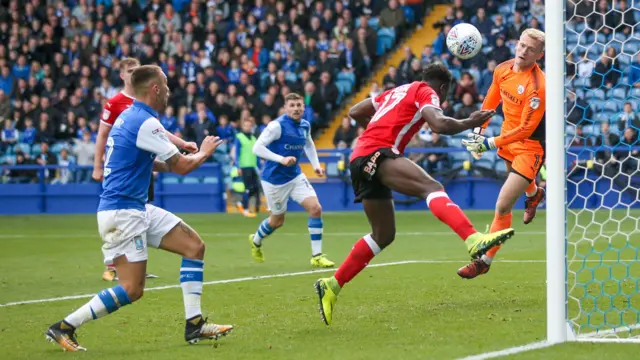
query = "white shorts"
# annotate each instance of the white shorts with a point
(128, 232)
(277, 196)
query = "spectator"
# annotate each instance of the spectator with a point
(405, 65)
(436, 161)
(627, 118)
(580, 139)
(367, 47)
(392, 16)
(516, 28)
(486, 78)
(344, 135)
(225, 130)
(628, 158)
(359, 132)
(466, 85)
(391, 78)
(63, 174)
(586, 67)
(29, 133)
(606, 73)
(328, 93)
(22, 176)
(483, 23)
(468, 106)
(6, 80)
(45, 158)
(605, 141)
(500, 52)
(5, 105)
(84, 151)
(634, 73)
(9, 136)
(498, 29)
(577, 110)
(428, 56)
(374, 90)
(203, 127)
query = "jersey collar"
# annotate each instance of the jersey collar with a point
(145, 107)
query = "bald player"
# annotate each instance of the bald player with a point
(520, 85)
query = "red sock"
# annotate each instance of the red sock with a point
(449, 213)
(363, 251)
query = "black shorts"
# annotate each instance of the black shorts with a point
(363, 170)
(250, 179)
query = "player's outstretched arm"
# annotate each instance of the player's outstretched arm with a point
(445, 125)
(270, 134)
(189, 146)
(101, 142)
(363, 111)
(312, 155)
(184, 164)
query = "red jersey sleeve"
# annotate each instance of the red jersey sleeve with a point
(109, 114)
(426, 96)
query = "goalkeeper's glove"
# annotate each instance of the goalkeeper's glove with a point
(478, 144)
(477, 131)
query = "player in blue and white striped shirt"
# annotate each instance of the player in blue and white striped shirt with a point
(281, 144)
(128, 225)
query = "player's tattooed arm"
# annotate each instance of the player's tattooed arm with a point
(445, 125)
(362, 112)
(166, 166)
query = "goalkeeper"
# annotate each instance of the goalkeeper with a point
(520, 85)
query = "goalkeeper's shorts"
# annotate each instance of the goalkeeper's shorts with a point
(526, 157)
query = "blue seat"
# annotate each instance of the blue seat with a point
(170, 180)
(374, 23)
(501, 166)
(292, 77)
(348, 76)
(332, 169)
(617, 93)
(190, 180)
(210, 180)
(596, 105)
(595, 94)
(582, 82)
(601, 117)
(409, 14)
(57, 147)
(611, 106)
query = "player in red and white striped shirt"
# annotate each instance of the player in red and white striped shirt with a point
(112, 109)
(378, 168)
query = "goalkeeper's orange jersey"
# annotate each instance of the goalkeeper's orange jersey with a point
(523, 103)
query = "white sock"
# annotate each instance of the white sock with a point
(106, 302)
(191, 276)
(315, 233)
(487, 260)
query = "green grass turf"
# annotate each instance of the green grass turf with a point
(409, 311)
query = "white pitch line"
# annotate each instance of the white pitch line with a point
(261, 277)
(228, 281)
(510, 351)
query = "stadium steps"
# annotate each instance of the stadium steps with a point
(416, 42)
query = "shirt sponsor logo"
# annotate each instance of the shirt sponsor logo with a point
(293, 147)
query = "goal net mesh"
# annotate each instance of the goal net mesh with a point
(602, 117)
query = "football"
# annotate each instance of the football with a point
(464, 41)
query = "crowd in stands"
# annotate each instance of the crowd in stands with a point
(603, 68)
(225, 61)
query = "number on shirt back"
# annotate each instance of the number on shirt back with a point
(390, 101)
(107, 170)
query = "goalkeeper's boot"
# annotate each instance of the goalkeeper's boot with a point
(198, 328)
(321, 261)
(248, 214)
(256, 251)
(475, 268)
(531, 205)
(478, 244)
(109, 275)
(327, 290)
(64, 335)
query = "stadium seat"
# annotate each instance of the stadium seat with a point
(170, 180)
(190, 180)
(617, 93)
(601, 117)
(501, 166)
(374, 22)
(210, 180)
(57, 147)
(581, 83)
(332, 169)
(612, 106)
(25, 148)
(598, 94)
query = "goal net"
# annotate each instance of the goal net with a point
(602, 187)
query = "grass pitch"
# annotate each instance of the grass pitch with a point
(416, 310)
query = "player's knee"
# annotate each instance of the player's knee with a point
(195, 250)
(135, 291)
(315, 210)
(431, 187)
(276, 221)
(384, 237)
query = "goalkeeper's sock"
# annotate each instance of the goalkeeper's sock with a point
(500, 222)
(449, 213)
(531, 190)
(363, 251)
(106, 302)
(191, 276)
(263, 231)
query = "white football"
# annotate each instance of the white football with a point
(464, 41)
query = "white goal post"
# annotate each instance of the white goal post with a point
(593, 217)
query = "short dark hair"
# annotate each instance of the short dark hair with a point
(437, 72)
